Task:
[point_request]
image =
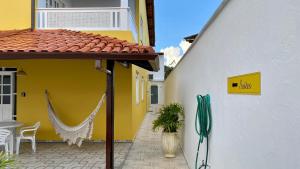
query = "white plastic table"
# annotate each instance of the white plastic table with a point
(10, 125)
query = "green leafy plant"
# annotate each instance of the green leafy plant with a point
(170, 118)
(6, 161)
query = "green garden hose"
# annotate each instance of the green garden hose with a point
(203, 122)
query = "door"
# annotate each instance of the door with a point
(154, 94)
(157, 96)
(153, 98)
(7, 95)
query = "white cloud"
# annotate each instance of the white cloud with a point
(184, 45)
(173, 54)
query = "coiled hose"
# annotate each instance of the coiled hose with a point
(203, 122)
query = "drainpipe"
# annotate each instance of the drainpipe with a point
(32, 15)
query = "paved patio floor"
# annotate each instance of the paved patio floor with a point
(144, 153)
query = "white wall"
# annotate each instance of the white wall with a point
(158, 80)
(249, 132)
(160, 75)
(132, 6)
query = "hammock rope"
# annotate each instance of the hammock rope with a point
(73, 134)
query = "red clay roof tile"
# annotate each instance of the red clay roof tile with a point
(107, 49)
(116, 49)
(65, 41)
(134, 50)
(126, 49)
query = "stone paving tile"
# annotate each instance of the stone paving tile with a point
(61, 156)
(144, 153)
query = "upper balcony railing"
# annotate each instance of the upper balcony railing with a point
(86, 19)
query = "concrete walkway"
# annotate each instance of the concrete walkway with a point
(146, 152)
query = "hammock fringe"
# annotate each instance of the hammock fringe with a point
(73, 134)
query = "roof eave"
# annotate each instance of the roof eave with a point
(148, 61)
(151, 21)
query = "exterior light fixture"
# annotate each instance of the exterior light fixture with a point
(98, 64)
(21, 72)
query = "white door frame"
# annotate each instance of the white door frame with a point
(7, 95)
(160, 96)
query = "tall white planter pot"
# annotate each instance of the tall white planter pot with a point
(169, 144)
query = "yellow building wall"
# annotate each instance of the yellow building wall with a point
(142, 13)
(139, 109)
(15, 14)
(75, 87)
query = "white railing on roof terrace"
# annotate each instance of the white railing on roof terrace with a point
(86, 19)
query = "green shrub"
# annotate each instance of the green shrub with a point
(6, 161)
(170, 118)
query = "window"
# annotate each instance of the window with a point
(52, 4)
(141, 30)
(143, 84)
(151, 77)
(137, 89)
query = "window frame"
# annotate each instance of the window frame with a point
(143, 88)
(141, 30)
(137, 89)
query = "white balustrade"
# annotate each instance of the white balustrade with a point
(108, 18)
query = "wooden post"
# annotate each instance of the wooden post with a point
(110, 115)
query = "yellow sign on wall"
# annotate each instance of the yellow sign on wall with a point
(245, 84)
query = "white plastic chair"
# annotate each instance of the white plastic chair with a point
(4, 133)
(28, 133)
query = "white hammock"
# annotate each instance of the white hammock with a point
(73, 134)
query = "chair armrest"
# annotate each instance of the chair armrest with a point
(22, 131)
(25, 128)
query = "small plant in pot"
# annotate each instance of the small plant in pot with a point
(6, 161)
(169, 120)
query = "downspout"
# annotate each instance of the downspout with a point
(32, 15)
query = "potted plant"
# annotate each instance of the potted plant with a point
(6, 161)
(169, 120)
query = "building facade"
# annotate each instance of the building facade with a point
(156, 87)
(76, 85)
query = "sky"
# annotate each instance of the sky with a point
(176, 19)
